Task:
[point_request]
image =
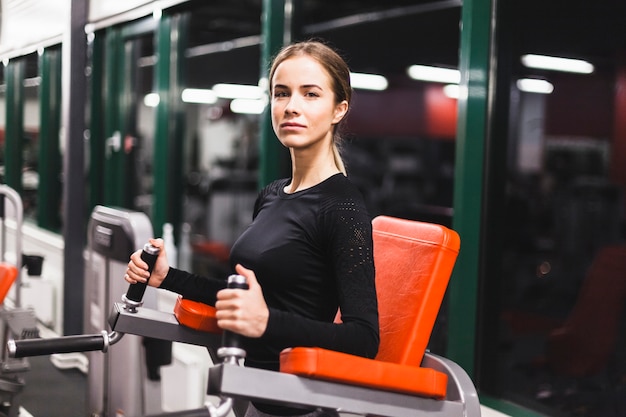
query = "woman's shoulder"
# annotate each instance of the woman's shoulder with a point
(274, 187)
(342, 187)
(340, 194)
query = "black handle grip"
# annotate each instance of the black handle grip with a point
(149, 255)
(66, 344)
(230, 339)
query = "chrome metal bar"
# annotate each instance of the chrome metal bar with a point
(158, 325)
(19, 216)
(294, 391)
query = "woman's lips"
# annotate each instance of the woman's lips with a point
(291, 126)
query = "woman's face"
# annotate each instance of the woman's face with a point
(303, 103)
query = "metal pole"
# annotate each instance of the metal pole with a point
(471, 141)
(274, 159)
(74, 210)
(19, 219)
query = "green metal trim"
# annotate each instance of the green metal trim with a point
(508, 408)
(97, 122)
(127, 115)
(179, 30)
(161, 208)
(488, 361)
(49, 158)
(469, 176)
(14, 129)
(273, 158)
(169, 130)
(118, 106)
(112, 161)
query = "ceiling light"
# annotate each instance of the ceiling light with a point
(532, 85)
(436, 74)
(247, 106)
(557, 64)
(451, 91)
(197, 95)
(151, 100)
(232, 91)
(368, 81)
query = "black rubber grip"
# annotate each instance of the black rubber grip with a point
(149, 255)
(230, 339)
(66, 344)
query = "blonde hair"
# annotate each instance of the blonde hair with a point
(339, 74)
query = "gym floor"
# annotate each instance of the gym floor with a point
(53, 392)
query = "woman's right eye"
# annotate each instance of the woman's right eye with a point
(280, 94)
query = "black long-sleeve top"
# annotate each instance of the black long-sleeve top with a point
(312, 252)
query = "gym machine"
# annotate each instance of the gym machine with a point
(130, 316)
(125, 381)
(127, 378)
(414, 261)
(16, 322)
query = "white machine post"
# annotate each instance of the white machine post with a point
(118, 380)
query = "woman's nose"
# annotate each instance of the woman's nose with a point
(293, 105)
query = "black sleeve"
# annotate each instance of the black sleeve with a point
(192, 286)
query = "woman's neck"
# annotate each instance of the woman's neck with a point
(307, 174)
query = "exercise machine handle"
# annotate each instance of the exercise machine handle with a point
(230, 339)
(149, 255)
(65, 344)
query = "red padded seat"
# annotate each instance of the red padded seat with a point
(196, 315)
(335, 366)
(8, 275)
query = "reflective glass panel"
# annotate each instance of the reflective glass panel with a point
(31, 132)
(555, 335)
(220, 162)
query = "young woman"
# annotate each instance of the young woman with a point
(308, 250)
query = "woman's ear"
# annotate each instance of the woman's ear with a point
(340, 111)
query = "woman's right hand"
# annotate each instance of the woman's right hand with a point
(137, 270)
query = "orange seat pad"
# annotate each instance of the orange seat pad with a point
(196, 315)
(340, 367)
(8, 274)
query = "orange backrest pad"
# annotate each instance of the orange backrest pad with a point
(8, 275)
(414, 261)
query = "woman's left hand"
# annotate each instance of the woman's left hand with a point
(243, 311)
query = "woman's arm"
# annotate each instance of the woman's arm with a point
(192, 286)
